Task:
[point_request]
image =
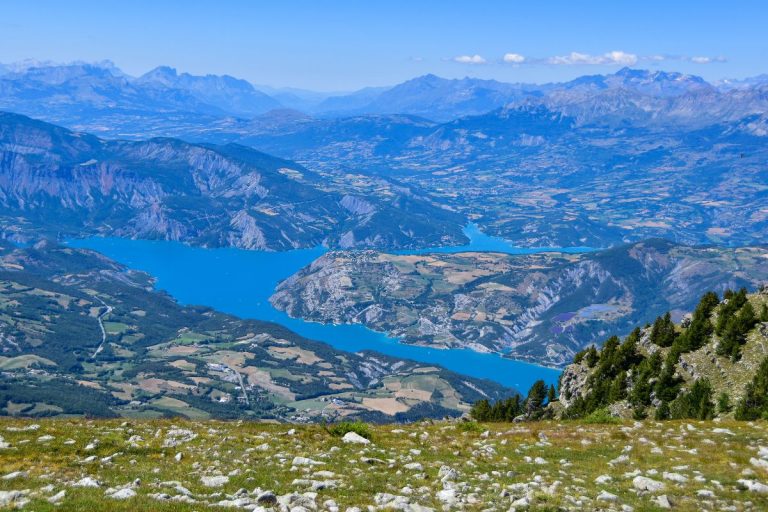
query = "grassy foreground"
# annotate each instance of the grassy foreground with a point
(181, 465)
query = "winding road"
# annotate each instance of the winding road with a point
(104, 313)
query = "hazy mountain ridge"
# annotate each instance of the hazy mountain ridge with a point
(80, 95)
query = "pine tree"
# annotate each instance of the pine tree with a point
(552, 394)
(754, 405)
(618, 389)
(723, 403)
(481, 410)
(536, 396)
(663, 332)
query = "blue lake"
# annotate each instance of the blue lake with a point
(240, 282)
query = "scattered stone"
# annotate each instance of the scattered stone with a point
(122, 494)
(353, 437)
(304, 461)
(87, 482)
(178, 436)
(606, 496)
(15, 498)
(56, 498)
(14, 475)
(214, 481)
(266, 498)
(642, 483)
(675, 477)
(754, 486)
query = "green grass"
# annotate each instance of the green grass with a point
(116, 327)
(489, 458)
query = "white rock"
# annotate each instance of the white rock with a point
(123, 494)
(723, 431)
(447, 496)
(414, 466)
(447, 473)
(523, 502)
(754, 486)
(12, 497)
(603, 479)
(642, 483)
(353, 437)
(663, 501)
(15, 475)
(606, 496)
(620, 459)
(214, 481)
(675, 477)
(87, 482)
(304, 461)
(57, 497)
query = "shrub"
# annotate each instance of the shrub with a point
(358, 427)
(469, 426)
(601, 417)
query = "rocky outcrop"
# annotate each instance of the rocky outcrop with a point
(541, 307)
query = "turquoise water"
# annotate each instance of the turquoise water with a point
(479, 241)
(240, 282)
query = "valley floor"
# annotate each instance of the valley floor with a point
(75, 464)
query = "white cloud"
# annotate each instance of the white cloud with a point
(513, 58)
(469, 59)
(706, 60)
(611, 58)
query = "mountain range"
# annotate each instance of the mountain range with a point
(65, 183)
(101, 98)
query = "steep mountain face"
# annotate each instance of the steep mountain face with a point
(540, 307)
(80, 334)
(54, 180)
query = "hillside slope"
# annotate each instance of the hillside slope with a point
(66, 183)
(714, 364)
(539, 307)
(82, 335)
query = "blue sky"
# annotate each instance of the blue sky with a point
(345, 45)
